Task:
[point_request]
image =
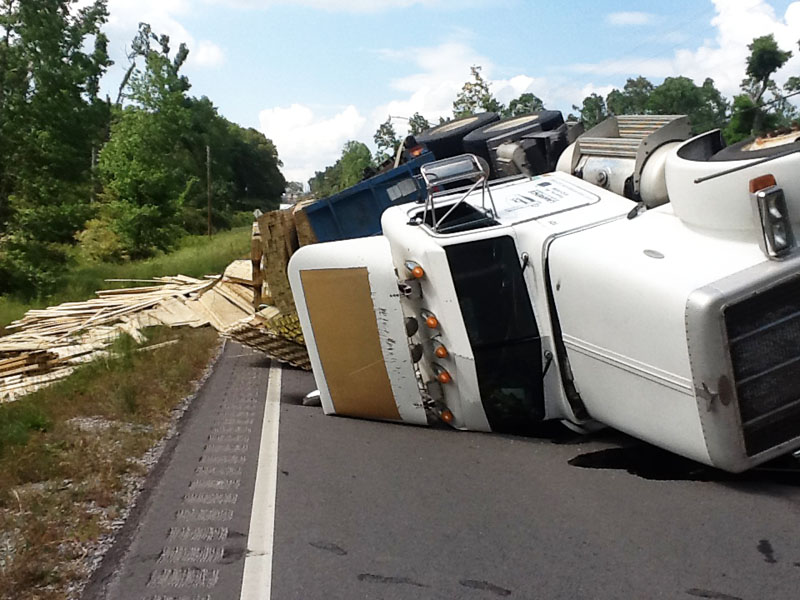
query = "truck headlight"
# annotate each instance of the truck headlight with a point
(769, 206)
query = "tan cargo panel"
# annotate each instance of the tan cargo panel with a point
(339, 303)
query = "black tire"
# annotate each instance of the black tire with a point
(445, 140)
(509, 130)
(739, 151)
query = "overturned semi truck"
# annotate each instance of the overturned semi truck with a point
(650, 284)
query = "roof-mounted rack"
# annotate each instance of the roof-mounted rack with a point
(466, 167)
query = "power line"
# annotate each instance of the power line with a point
(771, 102)
(673, 29)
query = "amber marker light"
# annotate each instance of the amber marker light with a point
(441, 352)
(442, 376)
(447, 416)
(416, 271)
(761, 183)
(430, 319)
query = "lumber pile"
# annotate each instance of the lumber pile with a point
(251, 302)
(305, 233)
(275, 328)
(278, 234)
(256, 272)
(277, 335)
(47, 344)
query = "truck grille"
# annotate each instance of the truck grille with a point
(764, 336)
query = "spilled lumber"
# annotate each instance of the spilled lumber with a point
(250, 302)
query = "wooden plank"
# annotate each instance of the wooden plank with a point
(289, 230)
(305, 232)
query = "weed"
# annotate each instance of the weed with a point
(18, 421)
(66, 451)
(196, 256)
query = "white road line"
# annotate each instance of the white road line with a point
(257, 579)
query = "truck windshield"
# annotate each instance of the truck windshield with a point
(502, 331)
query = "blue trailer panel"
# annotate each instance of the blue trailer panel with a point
(356, 212)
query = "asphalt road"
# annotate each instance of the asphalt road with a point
(383, 511)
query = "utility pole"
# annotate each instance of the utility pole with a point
(93, 173)
(208, 185)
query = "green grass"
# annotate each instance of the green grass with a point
(67, 451)
(196, 256)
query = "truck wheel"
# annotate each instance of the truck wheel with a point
(763, 147)
(510, 129)
(445, 140)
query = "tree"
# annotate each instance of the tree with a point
(592, 111)
(789, 112)
(346, 172)
(163, 146)
(146, 167)
(417, 124)
(740, 125)
(475, 96)
(52, 56)
(764, 60)
(256, 174)
(633, 98)
(386, 140)
(355, 158)
(793, 83)
(704, 105)
(526, 103)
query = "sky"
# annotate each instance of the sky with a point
(313, 74)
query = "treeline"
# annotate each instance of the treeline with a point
(761, 106)
(86, 178)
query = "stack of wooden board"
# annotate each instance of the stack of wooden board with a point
(274, 333)
(278, 234)
(28, 363)
(305, 233)
(46, 344)
(251, 302)
(256, 272)
(275, 328)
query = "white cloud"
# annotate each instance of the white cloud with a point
(163, 16)
(307, 142)
(723, 58)
(207, 54)
(354, 6)
(442, 71)
(630, 18)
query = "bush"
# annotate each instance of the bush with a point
(144, 229)
(29, 267)
(100, 243)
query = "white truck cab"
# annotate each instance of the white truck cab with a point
(496, 307)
